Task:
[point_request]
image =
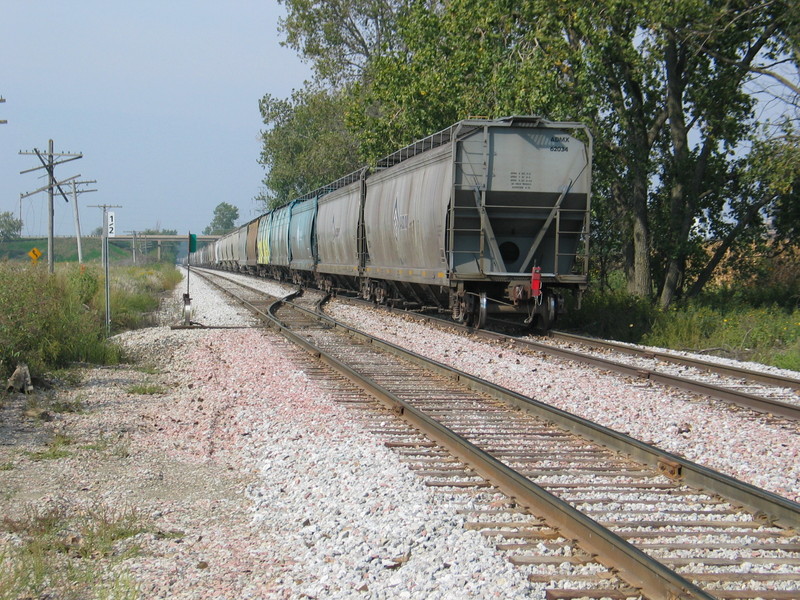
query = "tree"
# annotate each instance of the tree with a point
(306, 144)
(666, 88)
(666, 116)
(159, 231)
(340, 37)
(225, 216)
(10, 228)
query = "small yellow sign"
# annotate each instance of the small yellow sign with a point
(35, 253)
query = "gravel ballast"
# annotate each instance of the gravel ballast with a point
(252, 482)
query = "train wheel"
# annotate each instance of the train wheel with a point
(481, 307)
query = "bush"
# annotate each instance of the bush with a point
(44, 322)
(770, 335)
(736, 323)
(48, 321)
(614, 315)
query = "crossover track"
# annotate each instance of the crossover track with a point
(670, 528)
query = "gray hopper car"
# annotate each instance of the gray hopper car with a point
(485, 217)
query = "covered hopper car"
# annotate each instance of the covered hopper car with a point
(485, 217)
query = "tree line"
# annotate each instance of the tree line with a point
(693, 105)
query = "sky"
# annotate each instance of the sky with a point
(161, 98)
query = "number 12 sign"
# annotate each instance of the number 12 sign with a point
(112, 224)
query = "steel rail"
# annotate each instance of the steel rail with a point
(773, 507)
(767, 405)
(713, 367)
(640, 570)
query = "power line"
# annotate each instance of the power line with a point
(49, 165)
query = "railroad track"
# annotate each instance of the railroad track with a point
(668, 527)
(776, 395)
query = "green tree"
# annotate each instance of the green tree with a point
(159, 231)
(666, 116)
(225, 216)
(306, 144)
(666, 87)
(10, 228)
(340, 37)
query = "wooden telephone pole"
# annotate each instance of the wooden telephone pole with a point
(49, 164)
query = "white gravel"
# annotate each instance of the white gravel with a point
(742, 444)
(737, 442)
(334, 513)
(358, 523)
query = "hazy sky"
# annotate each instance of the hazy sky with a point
(161, 97)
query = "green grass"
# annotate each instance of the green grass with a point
(746, 324)
(51, 321)
(145, 389)
(769, 335)
(66, 250)
(57, 448)
(70, 553)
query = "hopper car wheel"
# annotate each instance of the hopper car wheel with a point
(481, 309)
(471, 310)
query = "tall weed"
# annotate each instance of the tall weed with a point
(44, 322)
(735, 323)
(49, 321)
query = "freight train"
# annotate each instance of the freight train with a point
(486, 217)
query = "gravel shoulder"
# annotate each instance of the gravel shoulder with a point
(245, 478)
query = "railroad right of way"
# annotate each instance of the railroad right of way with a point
(534, 456)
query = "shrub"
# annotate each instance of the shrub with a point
(611, 314)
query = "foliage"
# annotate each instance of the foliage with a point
(665, 87)
(49, 321)
(69, 551)
(306, 144)
(10, 228)
(752, 315)
(340, 37)
(158, 231)
(66, 250)
(44, 322)
(135, 294)
(224, 220)
(145, 389)
(613, 314)
(770, 335)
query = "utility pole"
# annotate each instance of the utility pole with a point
(109, 230)
(75, 192)
(42, 189)
(49, 164)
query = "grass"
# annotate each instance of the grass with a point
(769, 335)
(69, 553)
(57, 448)
(760, 324)
(51, 321)
(145, 389)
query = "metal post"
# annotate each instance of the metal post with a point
(77, 221)
(105, 267)
(50, 212)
